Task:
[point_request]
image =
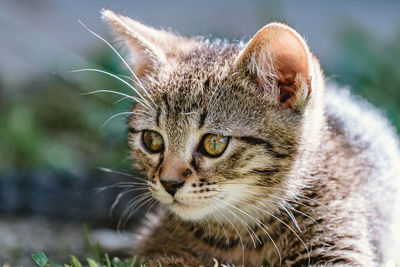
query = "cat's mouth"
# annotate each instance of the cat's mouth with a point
(184, 204)
(180, 204)
(189, 211)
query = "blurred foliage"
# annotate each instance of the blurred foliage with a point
(370, 68)
(48, 124)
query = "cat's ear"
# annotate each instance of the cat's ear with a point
(278, 58)
(149, 49)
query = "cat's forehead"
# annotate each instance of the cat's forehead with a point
(201, 93)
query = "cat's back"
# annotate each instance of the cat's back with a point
(366, 129)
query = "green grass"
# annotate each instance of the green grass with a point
(98, 258)
(41, 260)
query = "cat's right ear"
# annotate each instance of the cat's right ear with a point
(149, 50)
(278, 60)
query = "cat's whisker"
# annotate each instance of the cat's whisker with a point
(276, 218)
(119, 79)
(126, 214)
(120, 195)
(154, 201)
(118, 198)
(171, 221)
(175, 229)
(282, 205)
(124, 184)
(101, 189)
(299, 196)
(128, 113)
(120, 57)
(223, 228)
(131, 202)
(264, 228)
(245, 213)
(246, 226)
(104, 169)
(290, 214)
(117, 93)
(126, 77)
(133, 81)
(145, 200)
(277, 197)
(120, 100)
(306, 215)
(233, 226)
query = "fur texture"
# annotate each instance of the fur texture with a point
(307, 178)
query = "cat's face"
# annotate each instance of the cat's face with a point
(218, 130)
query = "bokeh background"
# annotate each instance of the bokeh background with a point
(53, 139)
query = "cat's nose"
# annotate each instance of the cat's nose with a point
(172, 185)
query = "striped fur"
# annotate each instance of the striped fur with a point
(305, 179)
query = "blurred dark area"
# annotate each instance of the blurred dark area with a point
(63, 196)
(54, 138)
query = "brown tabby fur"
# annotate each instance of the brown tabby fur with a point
(308, 177)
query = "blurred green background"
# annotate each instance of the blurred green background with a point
(46, 123)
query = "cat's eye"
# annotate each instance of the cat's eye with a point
(153, 141)
(214, 145)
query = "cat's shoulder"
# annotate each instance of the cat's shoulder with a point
(363, 125)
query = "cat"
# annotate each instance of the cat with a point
(255, 160)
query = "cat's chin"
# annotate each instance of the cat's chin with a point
(190, 212)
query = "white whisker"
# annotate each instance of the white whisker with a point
(127, 213)
(223, 228)
(116, 93)
(291, 217)
(118, 198)
(104, 169)
(245, 213)
(264, 228)
(120, 57)
(118, 78)
(240, 237)
(151, 205)
(276, 218)
(127, 113)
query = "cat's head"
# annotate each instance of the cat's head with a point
(220, 127)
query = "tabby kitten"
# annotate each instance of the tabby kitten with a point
(255, 164)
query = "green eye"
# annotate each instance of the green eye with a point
(153, 141)
(214, 145)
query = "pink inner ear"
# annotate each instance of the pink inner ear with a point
(291, 68)
(291, 64)
(287, 55)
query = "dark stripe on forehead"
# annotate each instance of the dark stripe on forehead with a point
(158, 116)
(267, 146)
(165, 98)
(202, 119)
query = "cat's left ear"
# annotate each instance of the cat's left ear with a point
(279, 61)
(149, 49)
